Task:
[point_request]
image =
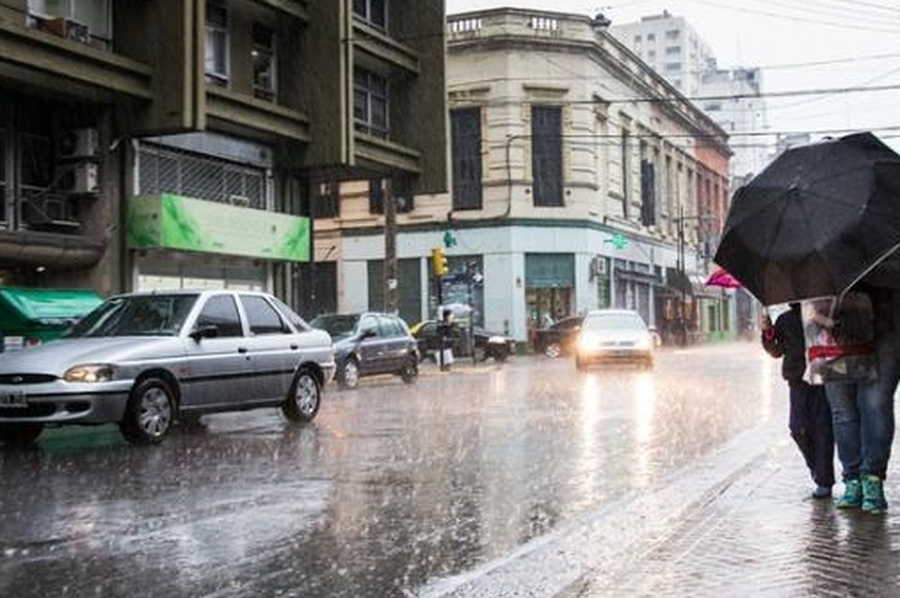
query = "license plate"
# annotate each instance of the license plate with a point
(15, 398)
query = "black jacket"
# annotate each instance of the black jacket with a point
(785, 339)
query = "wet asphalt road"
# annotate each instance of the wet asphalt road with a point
(391, 489)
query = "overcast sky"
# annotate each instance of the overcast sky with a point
(801, 45)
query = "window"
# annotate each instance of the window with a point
(216, 48)
(651, 37)
(673, 34)
(368, 324)
(263, 56)
(3, 199)
(465, 150)
(95, 15)
(326, 201)
(546, 155)
(370, 103)
(262, 317)
(373, 12)
(673, 51)
(392, 327)
(222, 312)
(376, 196)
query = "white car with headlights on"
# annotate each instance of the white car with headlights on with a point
(614, 336)
(143, 360)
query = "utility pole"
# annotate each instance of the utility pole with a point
(683, 275)
(390, 248)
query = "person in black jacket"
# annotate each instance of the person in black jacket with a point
(810, 416)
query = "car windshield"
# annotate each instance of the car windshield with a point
(613, 322)
(140, 315)
(336, 325)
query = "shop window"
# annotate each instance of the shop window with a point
(216, 46)
(546, 156)
(465, 125)
(370, 103)
(373, 12)
(263, 56)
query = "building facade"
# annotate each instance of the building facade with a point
(580, 179)
(191, 142)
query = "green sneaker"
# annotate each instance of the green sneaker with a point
(853, 495)
(873, 495)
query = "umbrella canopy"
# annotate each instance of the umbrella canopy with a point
(723, 278)
(815, 220)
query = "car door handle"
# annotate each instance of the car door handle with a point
(293, 347)
(242, 349)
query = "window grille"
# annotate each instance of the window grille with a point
(167, 170)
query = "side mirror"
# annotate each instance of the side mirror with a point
(366, 334)
(204, 331)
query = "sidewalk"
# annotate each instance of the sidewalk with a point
(739, 523)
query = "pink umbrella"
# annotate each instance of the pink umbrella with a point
(722, 278)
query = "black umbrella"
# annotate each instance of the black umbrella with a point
(814, 221)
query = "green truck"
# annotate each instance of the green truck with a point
(31, 316)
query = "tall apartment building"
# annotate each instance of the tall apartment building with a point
(192, 142)
(733, 98)
(580, 179)
(675, 50)
(671, 47)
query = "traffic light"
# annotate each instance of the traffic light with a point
(438, 261)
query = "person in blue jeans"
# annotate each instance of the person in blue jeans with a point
(809, 421)
(863, 411)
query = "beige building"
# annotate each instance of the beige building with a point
(191, 142)
(580, 179)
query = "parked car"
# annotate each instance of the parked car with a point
(142, 360)
(486, 344)
(558, 339)
(370, 343)
(614, 335)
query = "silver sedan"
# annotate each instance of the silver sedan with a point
(144, 359)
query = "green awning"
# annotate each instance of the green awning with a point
(30, 306)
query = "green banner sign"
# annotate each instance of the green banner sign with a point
(175, 222)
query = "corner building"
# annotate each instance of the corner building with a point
(580, 179)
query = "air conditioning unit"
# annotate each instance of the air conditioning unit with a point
(77, 143)
(68, 29)
(78, 178)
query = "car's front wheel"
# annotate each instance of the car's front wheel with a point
(149, 413)
(18, 435)
(303, 402)
(410, 370)
(348, 373)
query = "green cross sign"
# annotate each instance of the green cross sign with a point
(449, 239)
(618, 241)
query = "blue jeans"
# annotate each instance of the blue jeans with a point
(863, 416)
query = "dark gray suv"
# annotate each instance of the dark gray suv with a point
(370, 343)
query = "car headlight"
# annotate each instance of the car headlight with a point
(96, 372)
(586, 341)
(496, 340)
